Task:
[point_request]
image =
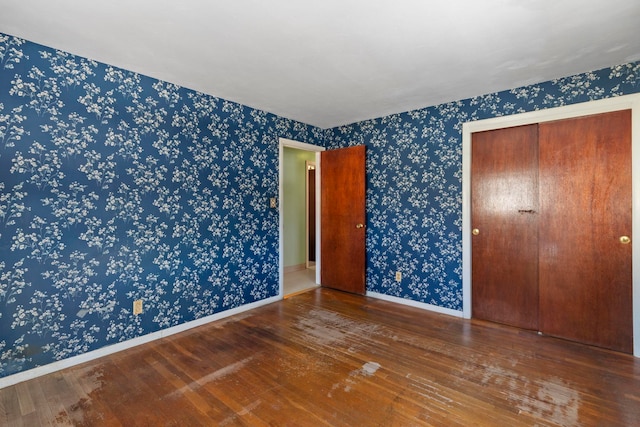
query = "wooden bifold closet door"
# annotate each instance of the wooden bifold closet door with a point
(551, 213)
(504, 203)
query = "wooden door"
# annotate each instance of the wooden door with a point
(342, 219)
(585, 270)
(504, 203)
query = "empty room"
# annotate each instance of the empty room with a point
(338, 213)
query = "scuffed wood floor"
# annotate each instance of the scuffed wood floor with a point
(330, 358)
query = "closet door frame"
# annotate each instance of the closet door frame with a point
(627, 102)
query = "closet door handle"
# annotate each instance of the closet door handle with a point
(625, 240)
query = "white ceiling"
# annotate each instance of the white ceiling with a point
(333, 62)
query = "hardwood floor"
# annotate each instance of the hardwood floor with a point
(328, 358)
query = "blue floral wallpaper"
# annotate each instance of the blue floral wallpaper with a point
(116, 187)
(414, 180)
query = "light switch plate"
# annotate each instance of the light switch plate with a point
(137, 307)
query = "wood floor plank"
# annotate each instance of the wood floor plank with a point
(24, 399)
(44, 412)
(326, 358)
(56, 391)
(9, 406)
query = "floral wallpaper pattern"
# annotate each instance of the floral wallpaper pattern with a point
(115, 187)
(414, 180)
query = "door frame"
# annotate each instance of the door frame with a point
(626, 102)
(284, 142)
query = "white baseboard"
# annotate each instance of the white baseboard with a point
(105, 351)
(422, 305)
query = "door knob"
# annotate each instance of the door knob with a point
(475, 231)
(625, 240)
(359, 225)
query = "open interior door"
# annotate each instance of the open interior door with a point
(343, 219)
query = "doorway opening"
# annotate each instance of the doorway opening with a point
(299, 210)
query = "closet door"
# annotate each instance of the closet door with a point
(504, 205)
(585, 212)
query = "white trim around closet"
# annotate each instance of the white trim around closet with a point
(631, 102)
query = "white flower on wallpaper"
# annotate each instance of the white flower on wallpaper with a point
(97, 169)
(11, 130)
(73, 206)
(101, 105)
(69, 136)
(12, 205)
(576, 87)
(70, 70)
(42, 92)
(99, 237)
(627, 74)
(116, 187)
(10, 51)
(128, 84)
(40, 165)
(12, 282)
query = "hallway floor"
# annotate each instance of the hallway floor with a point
(299, 281)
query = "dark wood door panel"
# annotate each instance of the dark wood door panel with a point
(311, 214)
(585, 271)
(504, 203)
(343, 219)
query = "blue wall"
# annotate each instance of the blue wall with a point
(414, 179)
(115, 186)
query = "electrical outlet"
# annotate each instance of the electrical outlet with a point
(273, 203)
(398, 276)
(137, 307)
